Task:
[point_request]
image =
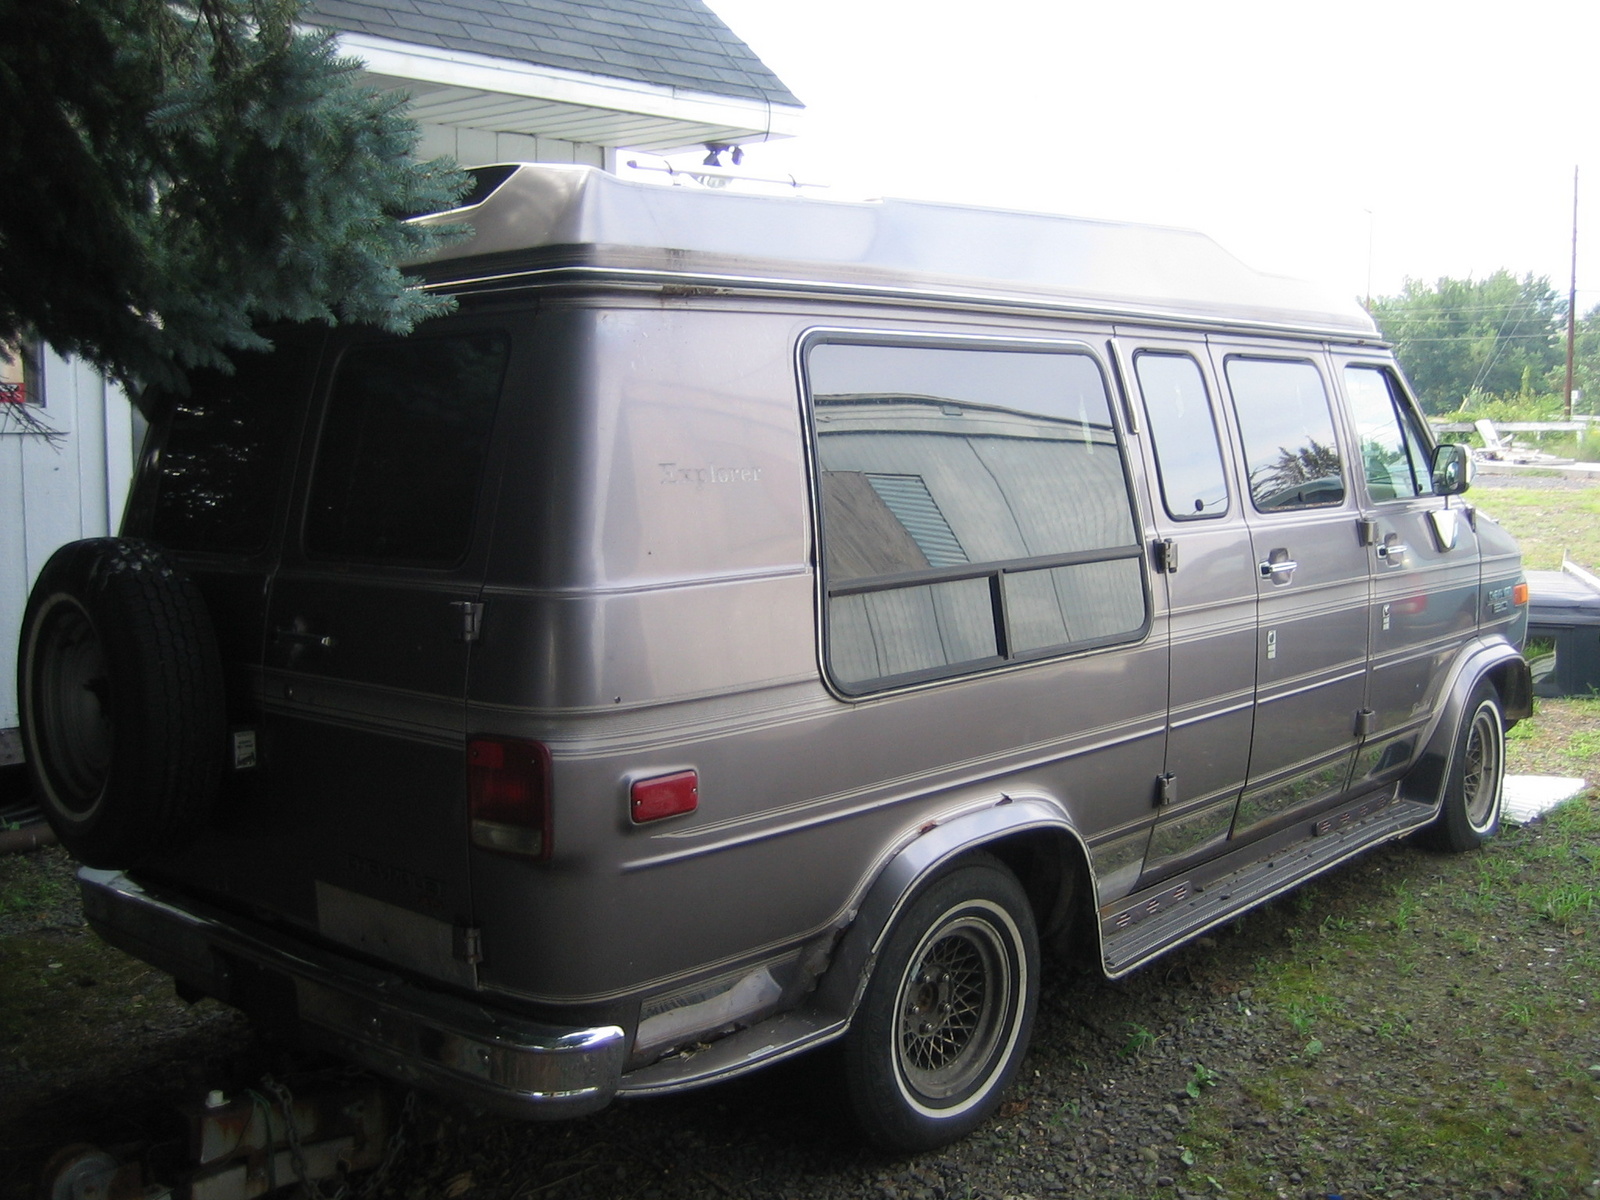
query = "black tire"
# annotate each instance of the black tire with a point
(1473, 794)
(945, 1018)
(120, 687)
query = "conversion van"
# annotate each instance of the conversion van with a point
(754, 623)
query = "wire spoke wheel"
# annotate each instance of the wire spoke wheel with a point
(1469, 814)
(950, 1010)
(1483, 767)
(943, 1023)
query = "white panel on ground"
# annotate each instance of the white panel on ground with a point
(1530, 796)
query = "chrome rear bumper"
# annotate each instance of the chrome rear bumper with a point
(410, 1032)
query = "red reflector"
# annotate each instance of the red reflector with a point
(508, 796)
(664, 796)
(1519, 594)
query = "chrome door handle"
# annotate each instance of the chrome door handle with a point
(1393, 553)
(1271, 570)
(295, 637)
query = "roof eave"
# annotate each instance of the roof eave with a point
(534, 99)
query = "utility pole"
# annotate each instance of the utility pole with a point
(1572, 297)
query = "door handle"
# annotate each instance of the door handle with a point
(295, 638)
(1279, 571)
(1393, 553)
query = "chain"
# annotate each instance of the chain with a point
(397, 1142)
(312, 1187)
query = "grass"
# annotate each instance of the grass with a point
(1440, 1015)
(1548, 522)
(30, 889)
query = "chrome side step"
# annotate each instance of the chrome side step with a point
(1142, 926)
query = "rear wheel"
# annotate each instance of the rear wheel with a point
(1474, 791)
(945, 1018)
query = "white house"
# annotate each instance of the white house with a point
(490, 81)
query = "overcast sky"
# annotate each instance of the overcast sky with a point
(1447, 133)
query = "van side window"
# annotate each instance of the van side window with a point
(1394, 449)
(225, 450)
(402, 450)
(975, 510)
(1290, 448)
(1184, 433)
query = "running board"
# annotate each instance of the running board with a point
(1149, 923)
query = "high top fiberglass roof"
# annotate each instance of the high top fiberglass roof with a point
(892, 246)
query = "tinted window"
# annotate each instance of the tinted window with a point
(225, 454)
(975, 509)
(1394, 450)
(1184, 434)
(1290, 448)
(403, 445)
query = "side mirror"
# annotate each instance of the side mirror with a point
(1452, 469)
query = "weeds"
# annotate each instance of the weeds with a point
(1140, 1041)
(1200, 1078)
(1565, 903)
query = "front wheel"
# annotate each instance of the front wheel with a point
(1473, 793)
(945, 1017)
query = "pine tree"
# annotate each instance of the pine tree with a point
(176, 172)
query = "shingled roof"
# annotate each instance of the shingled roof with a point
(671, 43)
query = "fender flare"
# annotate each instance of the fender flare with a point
(931, 850)
(1497, 660)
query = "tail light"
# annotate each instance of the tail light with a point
(508, 796)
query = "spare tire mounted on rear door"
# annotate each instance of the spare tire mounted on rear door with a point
(120, 684)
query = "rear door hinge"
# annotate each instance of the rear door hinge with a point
(469, 944)
(1366, 531)
(1167, 556)
(1364, 723)
(1166, 790)
(471, 614)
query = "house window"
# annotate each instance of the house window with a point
(975, 510)
(22, 372)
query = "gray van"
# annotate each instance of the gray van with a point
(754, 623)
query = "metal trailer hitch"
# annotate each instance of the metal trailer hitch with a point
(250, 1144)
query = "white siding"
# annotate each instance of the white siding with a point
(53, 493)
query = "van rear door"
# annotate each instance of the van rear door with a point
(1209, 577)
(370, 627)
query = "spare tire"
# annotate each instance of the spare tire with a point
(120, 687)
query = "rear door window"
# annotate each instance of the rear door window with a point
(400, 461)
(1188, 454)
(975, 509)
(225, 452)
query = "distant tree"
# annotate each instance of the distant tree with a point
(1500, 335)
(177, 171)
(1586, 365)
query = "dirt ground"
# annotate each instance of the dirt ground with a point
(1413, 1025)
